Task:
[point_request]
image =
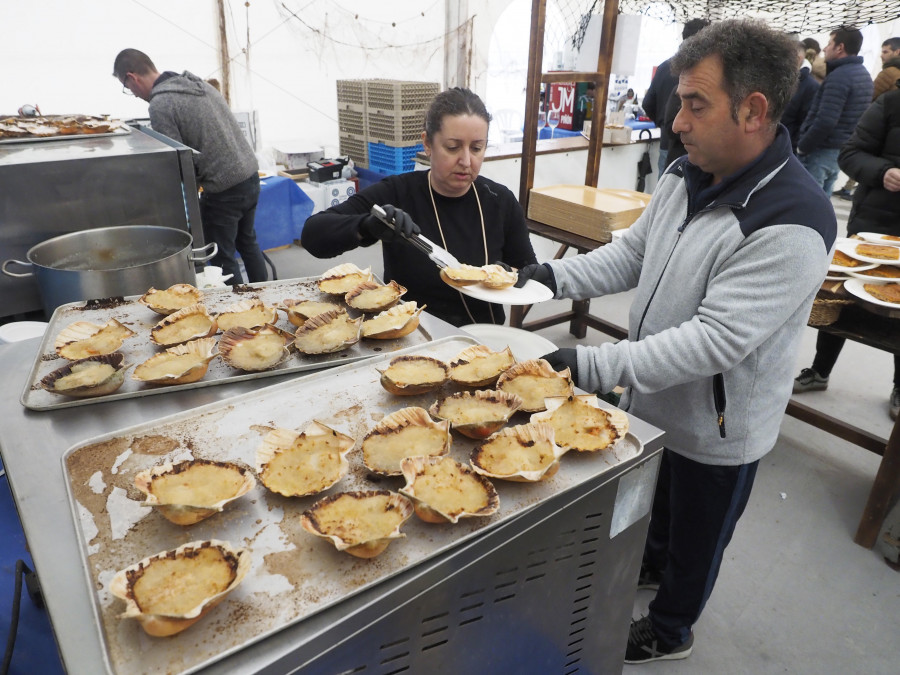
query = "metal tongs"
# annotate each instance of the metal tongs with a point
(439, 256)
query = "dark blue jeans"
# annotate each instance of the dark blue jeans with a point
(695, 510)
(228, 219)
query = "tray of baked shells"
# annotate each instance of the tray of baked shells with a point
(181, 337)
(211, 529)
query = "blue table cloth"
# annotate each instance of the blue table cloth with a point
(281, 212)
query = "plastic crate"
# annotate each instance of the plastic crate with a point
(400, 95)
(388, 159)
(355, 147)
(352, 92)
(399, 129)
(352, 122)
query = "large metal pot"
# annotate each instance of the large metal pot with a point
(109, 262)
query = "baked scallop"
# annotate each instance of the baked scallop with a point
(298, 311)
(477, 414)
(464, 275)
(524, 453)
(82, 339)
(343, 278)
(186, 324)
(499, 277)
(580, 424)
(327, 333)
(359, 523)
(443, 490)
(371, 296)
(413, 374)
(172, 590)
(171, 299)
(404, 433)
(535, 380)
(190, 491)
(248, 313)
(181, 364)
(480, 366)
(398, 321)
(91, 376)
(296, 464)
(254, 350)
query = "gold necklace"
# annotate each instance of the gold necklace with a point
(444, 240)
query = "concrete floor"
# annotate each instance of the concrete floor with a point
(795, 594)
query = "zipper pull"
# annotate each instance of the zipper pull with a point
(722, 424)
(719, 401)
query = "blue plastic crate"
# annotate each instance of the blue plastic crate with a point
(388, 159)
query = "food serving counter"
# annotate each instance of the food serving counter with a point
(548, 589)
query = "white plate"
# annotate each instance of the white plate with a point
(836, 276)
(850, 249)
(878, 238)
(525, 345)
(855, 287)
(857, 273)
(529, 294)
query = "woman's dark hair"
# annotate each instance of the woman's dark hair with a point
(451, 103)
(811, 43)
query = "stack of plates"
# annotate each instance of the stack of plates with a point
(888, 268)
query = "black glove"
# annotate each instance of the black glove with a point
(404, 226)
(562, 359)
(502, 264)
(540, 272)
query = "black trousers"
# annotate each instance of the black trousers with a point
(828, 348)
(695, 510)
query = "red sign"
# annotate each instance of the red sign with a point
(562, 98)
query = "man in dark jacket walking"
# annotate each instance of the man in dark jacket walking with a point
(839, 103)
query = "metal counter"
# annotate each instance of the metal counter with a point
(550, 588)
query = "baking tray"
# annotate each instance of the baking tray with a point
(294, 574)
(138, 349)
(121, 130)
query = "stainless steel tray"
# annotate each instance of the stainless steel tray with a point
(122, 130)
(294, 574)
(138, 349)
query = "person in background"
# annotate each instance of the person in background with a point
(477, 220)
(726, 261)
(837, 106)
(798, 107)
(661, 88)
(814, 55)
(872, 157)
(190, 111)
(886, 80)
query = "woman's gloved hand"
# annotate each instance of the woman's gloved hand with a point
(404, 226)
(540, 272)
(562, 359)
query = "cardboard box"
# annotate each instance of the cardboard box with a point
(617, 135)
(587, 211)
(338, 191)
(296, 155)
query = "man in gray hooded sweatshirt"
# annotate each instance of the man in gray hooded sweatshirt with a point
(191, 111)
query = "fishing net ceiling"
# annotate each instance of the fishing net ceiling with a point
(799, 17)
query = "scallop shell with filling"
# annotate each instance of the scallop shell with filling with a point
(170, 591)
(524, 453)
(477, 414)
(248, 313)
(82, 339)
(190, 491)
(91, 376)
(398, 321)
(171, 299)
(362, 524)
(327, 333)
(254, 350)
(371, 296)
(443, 490)
(535, 380)
(413, 374)
(296, 464)
(480, 366)
(403, 433)
(464, 275)
(298, 311)
(186, 324)
(181, 364)
(499, 277)
(581, 424)
(343, 278)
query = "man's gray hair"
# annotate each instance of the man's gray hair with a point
(754, 58)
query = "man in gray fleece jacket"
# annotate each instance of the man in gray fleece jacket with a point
(191, 111)
(726, 261)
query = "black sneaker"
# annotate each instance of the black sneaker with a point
(895, 403)
(644, 646)
(649, 578)
(809, 380)
(844, 194)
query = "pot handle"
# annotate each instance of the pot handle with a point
(204, 258)
(16, 274)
